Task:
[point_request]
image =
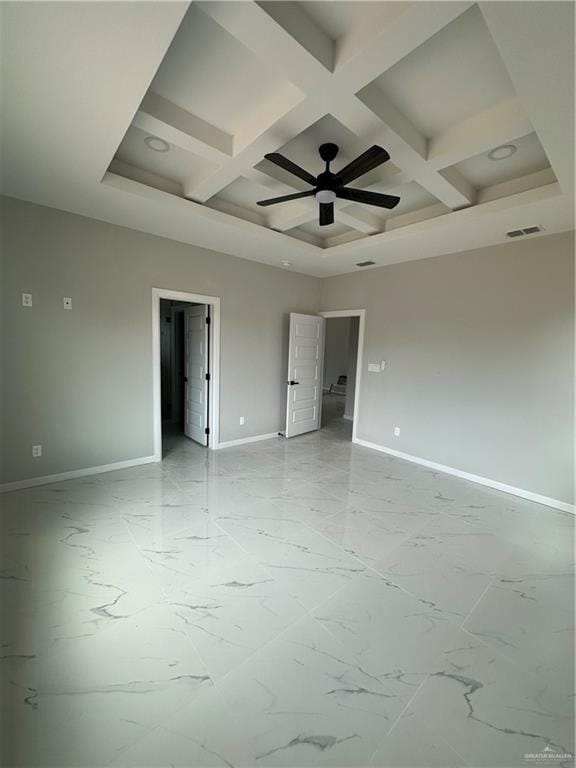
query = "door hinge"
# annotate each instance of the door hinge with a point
(207, 377)
(208, 320)
(206, 430)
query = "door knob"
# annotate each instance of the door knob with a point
(292, 382)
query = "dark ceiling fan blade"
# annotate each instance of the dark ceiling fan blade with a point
(286, 198)
(326, 213)
(291, 167)
(369, 198)
(365, 162)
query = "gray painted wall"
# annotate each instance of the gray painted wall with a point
(80, 382)
(480, 360)
(479, 348)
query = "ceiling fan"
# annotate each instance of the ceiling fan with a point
(327, 186)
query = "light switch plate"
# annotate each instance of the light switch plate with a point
(67, 302)
(374, 367)
(26, 299)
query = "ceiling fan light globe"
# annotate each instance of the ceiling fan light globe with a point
(325, 196)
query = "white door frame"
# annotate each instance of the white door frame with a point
(214, 397)
(361, 313)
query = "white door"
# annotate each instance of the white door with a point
(196, 373)
(305, 359)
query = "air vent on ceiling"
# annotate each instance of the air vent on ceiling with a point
(365, 263)
(522, 232)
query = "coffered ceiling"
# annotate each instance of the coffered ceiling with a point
(438, 84)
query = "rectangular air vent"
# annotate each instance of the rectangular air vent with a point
(522, 232)
(365, 263)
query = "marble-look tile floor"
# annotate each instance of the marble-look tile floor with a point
(287, 603)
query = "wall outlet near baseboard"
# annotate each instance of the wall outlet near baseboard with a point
(36, 451)
(396, 431)
(241, 421)
(67, 302)
(26, 299)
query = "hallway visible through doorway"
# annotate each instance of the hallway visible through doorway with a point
(339, 381)
(184, 371)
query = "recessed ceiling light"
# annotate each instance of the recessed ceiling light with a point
(156, 144)
(503, 152)
(286, 263)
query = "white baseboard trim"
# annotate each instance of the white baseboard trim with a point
(19, 485)
(538, 498)
(244, 440)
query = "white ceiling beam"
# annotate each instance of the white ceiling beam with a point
(400, 29)
(498, 125)
(120, 168)
(394, 121)
(269, 185)
(293, 214)
(345, 237)
(302, 28)
(358, 218)
(280, 103)
(412, 217)
(239, 211)
(161, 117)
(296, 121)
(262, 34)
(541, 178)
(372, 115)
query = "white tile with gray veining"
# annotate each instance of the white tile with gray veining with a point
(288, 603)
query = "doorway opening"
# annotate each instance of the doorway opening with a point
(186, 341)
(184, 372)
(343, 336)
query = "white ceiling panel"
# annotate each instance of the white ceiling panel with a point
(454, 75)
(528, 158)
(210, 74)
(175, 164)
